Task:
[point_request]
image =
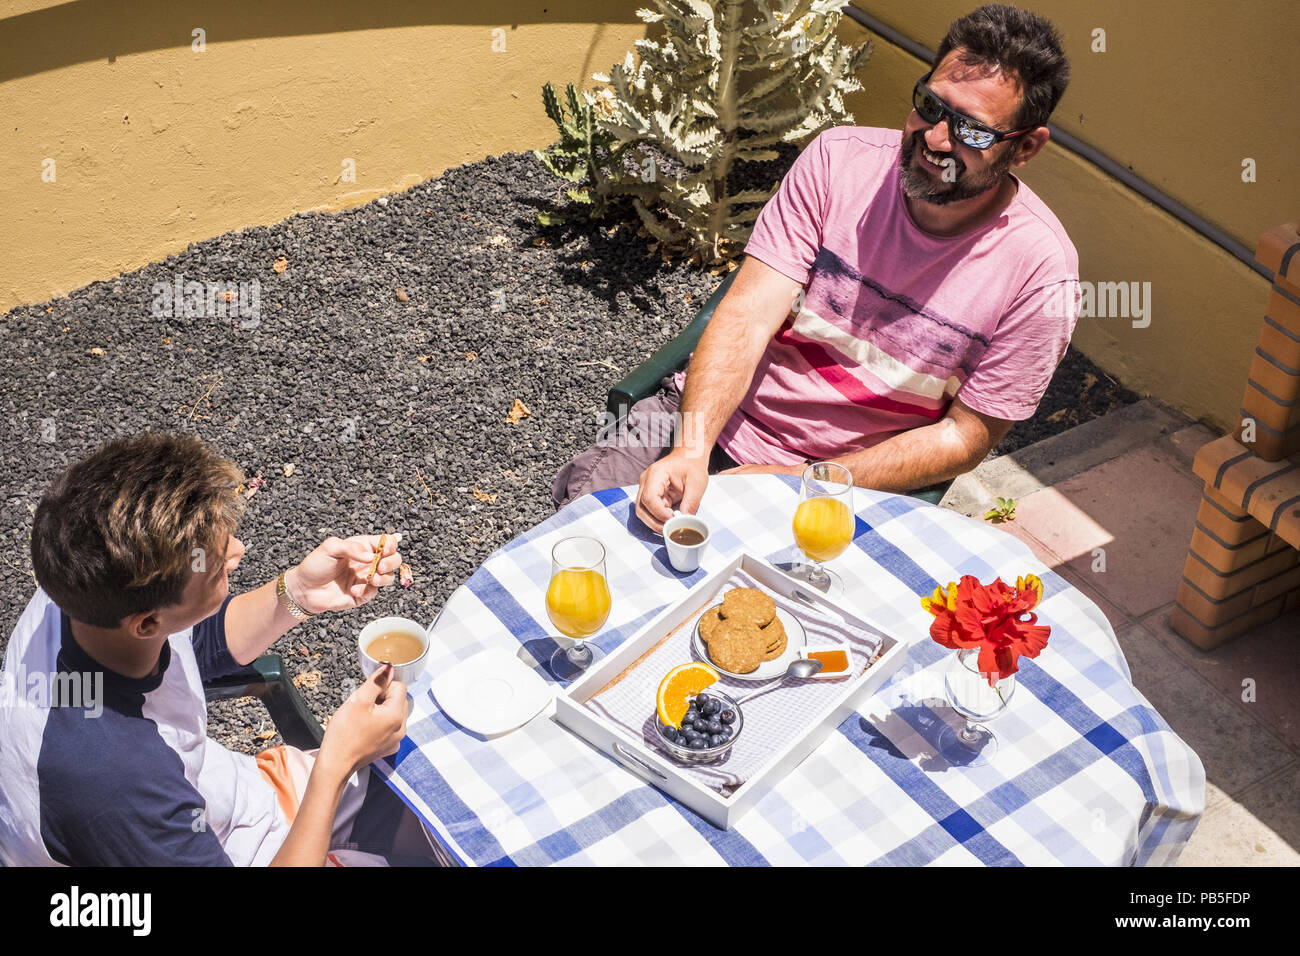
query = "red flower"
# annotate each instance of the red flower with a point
(994, 617)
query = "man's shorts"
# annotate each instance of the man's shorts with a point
(625, 449)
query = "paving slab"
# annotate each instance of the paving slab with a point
(1267, 657)
(966, 495)
(1138, 509)
(1041, 551)
(1062, 456)
(1260, 828)
(1085, 583)
(1065, 455)
(1064, 528)
(1237, 750)
(1186, 442)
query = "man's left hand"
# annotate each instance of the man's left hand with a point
(333, 577)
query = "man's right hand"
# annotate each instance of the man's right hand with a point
(721, 371)
(368, 725)
(672, 482)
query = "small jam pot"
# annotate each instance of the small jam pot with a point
(836, 661)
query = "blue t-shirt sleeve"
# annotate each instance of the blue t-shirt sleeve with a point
(210, 648)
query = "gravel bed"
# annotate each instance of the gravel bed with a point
(376, 387)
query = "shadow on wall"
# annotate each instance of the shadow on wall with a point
(89, 30)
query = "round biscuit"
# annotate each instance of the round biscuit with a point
(709, 623)
(736, 647)
(775, 640)
(748, 604)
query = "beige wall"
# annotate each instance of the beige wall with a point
(1203, 65)
(156, 145)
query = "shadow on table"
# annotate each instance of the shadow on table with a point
(540, 649)
(907, 721)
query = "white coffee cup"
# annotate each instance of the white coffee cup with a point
(685, 557)
(406, 673)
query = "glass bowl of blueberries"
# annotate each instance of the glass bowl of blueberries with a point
(711, 726)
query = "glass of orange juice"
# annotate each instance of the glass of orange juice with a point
(824, 522)
(577, 602)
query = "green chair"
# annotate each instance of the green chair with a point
(266, 680)
(643, 381)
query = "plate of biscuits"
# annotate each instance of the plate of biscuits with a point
(748, 637)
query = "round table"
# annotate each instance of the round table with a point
(1087, 772)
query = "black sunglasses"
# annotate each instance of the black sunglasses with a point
(969, 131)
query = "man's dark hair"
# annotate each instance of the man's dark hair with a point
(116, 533)
(1018, 43)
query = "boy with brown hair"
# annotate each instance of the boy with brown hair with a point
(132, 549)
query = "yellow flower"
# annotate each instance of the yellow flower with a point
(941, 600)
(1030, 582)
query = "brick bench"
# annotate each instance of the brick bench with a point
(1243, 566)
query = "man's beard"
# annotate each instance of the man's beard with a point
(919, 186)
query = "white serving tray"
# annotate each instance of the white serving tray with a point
(655, 766)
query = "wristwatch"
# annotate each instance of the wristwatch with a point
(290, 605)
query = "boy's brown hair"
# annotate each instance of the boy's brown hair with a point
(121, 532)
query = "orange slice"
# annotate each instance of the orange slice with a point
(679, 685)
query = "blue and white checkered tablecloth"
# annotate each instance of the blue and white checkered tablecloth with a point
(1087, 772)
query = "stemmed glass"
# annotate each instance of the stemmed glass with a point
(577, 602)
(823, 522)
(970, 695)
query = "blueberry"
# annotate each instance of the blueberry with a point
(714, 726)
(700, 701)
(728, 716)
(691, 716)
(728, 731)
(710, 707)
(702, 724)
(690, 733)
(698, 743)
(717, 740)
(671, 733)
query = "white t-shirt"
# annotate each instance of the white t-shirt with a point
(97, 769)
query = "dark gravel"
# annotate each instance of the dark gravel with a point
(391, 407)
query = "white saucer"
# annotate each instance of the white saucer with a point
(795, 639)
(491, 693)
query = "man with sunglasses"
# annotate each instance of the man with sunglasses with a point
(895, 309)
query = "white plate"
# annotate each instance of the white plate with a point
(795, 639)
(491, 693)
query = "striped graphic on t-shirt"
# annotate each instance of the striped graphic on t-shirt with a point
(831, 366)
(877, 348)
(913, 334)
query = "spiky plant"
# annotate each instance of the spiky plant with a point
(585, 153)
(729, 81)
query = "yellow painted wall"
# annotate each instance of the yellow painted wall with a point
(1184, 91)
(156, 145)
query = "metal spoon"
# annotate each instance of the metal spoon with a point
(799, 668)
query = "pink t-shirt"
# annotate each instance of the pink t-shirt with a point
(896, 321)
